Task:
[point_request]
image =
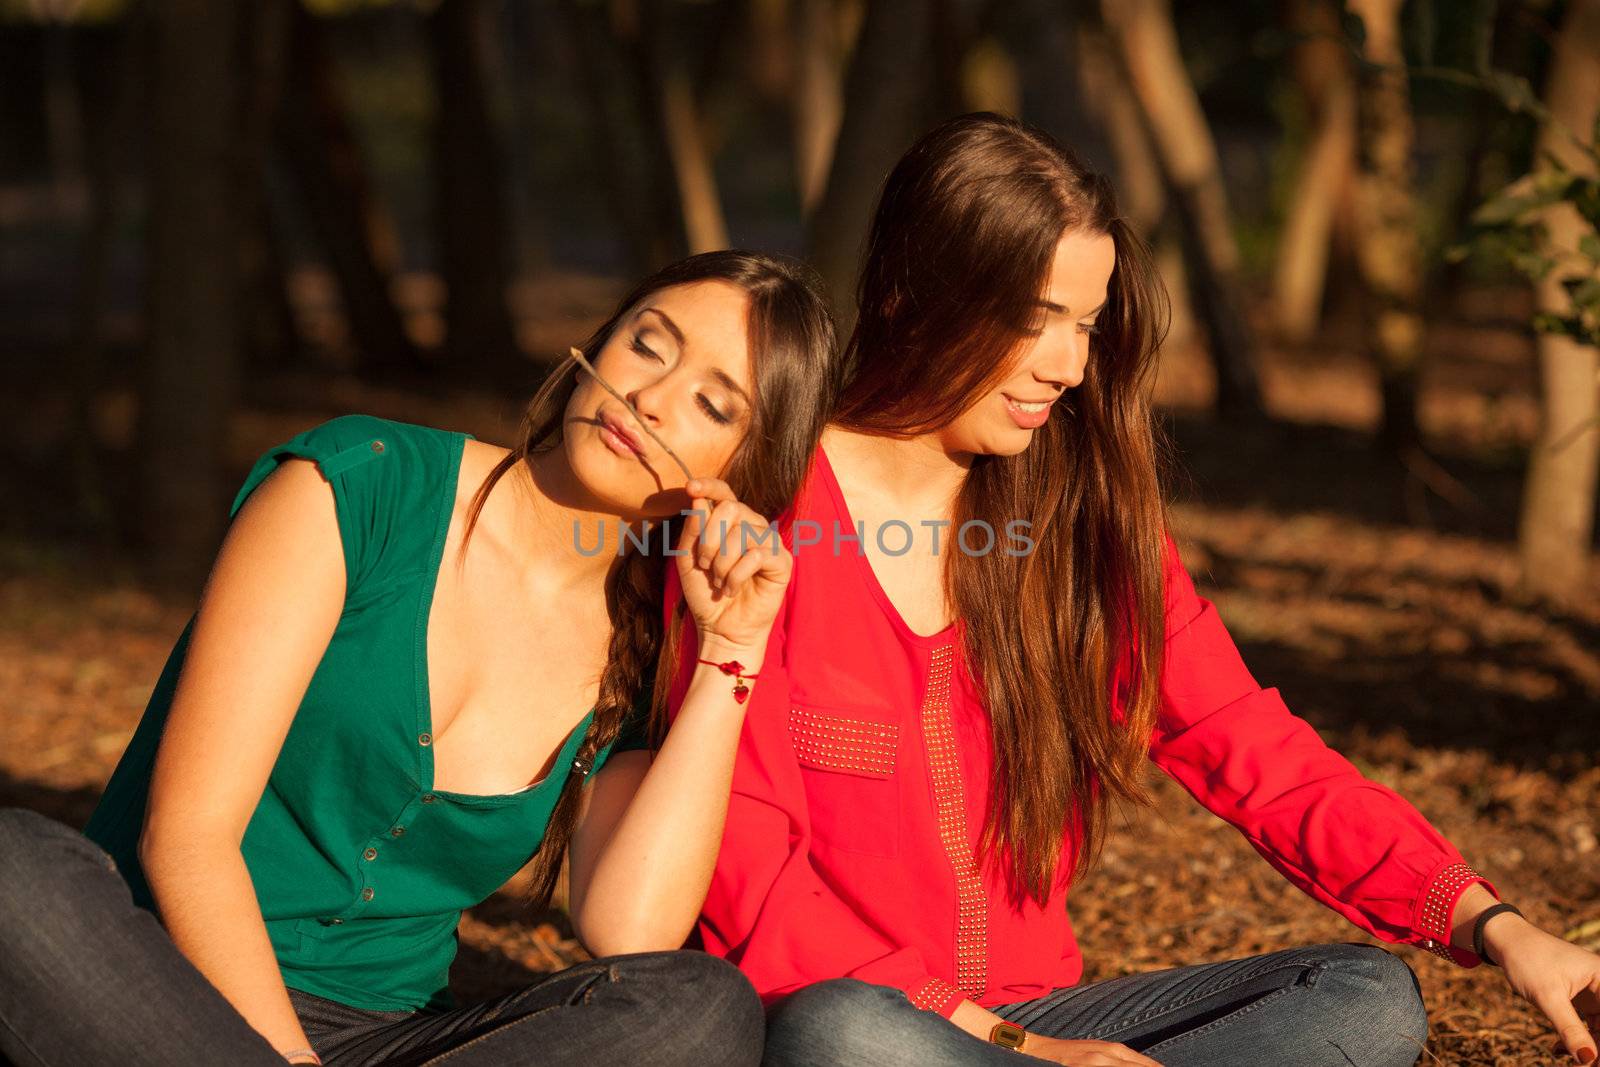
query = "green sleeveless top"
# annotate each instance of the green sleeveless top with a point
(361, 867)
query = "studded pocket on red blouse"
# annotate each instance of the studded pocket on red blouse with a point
(829, 742)
(847, 761)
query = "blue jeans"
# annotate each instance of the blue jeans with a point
(87, 977)
(1345, 1004)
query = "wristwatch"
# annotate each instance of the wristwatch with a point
(1008, 1035)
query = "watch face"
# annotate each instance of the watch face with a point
(1008, 1035)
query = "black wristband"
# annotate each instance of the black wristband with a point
(1477, 929)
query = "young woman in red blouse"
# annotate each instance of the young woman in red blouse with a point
(987, 633)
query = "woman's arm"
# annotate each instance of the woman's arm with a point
(269, 608)
(1351, 843)
(649, 830)
(1556, 976)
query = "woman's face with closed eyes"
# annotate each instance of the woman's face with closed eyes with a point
(681, 356)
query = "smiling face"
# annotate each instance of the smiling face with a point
(1051, 360)
(681, 356)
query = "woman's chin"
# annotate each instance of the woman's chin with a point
(630, 498)
(1009, 441)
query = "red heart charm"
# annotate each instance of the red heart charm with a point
(740, 692)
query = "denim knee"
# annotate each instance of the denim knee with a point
(42, 858)
(713, 1006)
(728, 1002)
(848, 1021)
(1381, 996)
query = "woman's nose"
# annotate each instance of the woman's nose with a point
(646, 400)
(1065, 366)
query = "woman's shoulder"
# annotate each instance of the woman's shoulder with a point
(380, 434)
(388, 478)
(371, 446)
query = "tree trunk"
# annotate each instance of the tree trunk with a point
(190, 381)
(530, 70)
(321, 155)
(1047, 37)
(65, 135)
(470, 218)
(650, 227)
(691, 161)
(1556, 537)
(1388, 252)
(270, 337)
(112, 128)
(1147, 47)
(1322, 70)
(1141, 193)
(818, 98)
(669, 115)
(883, 94)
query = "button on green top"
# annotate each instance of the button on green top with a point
(377, 934)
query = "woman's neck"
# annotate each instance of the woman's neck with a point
(917, 475)
(551, 517)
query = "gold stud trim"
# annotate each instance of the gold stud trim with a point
(944, 768)
(931, 995)
(839, 743)
(1433, 920)
(1436, 909)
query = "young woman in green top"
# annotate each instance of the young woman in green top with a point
(365, 729)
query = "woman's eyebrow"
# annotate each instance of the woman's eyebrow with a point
(666, 321)
(1051, 306)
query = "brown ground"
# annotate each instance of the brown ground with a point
(1382, 610)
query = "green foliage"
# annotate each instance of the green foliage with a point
(1510, 225)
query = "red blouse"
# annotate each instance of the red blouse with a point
(861, 777)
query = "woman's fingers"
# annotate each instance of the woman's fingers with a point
(1085, 1053)
(711, 488)
(1109, 1056)
(746, 539)
(731, 530)
(693, 523)
(730, 543)
(1575, 1036)
(704, 495)
(742, 571)
(721, 536)
(708, 541)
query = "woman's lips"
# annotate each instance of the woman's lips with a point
(1028, 420)
(618, 437)
(617, 443)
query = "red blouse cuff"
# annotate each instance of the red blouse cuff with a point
(1436, 909)
(935, 994)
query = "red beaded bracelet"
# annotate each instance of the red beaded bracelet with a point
(735, 668)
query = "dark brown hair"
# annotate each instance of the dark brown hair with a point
(960, 249)
(792, 352)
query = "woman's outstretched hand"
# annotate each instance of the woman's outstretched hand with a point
(1085, 1053)
(734, 568)
(1559, 978)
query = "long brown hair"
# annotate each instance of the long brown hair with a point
(792, 352)
(961, 247)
